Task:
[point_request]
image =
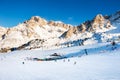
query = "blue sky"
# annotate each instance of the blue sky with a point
(73, 12)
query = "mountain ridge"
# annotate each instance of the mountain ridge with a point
(56, 34)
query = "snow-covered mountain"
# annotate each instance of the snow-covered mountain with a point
(98, 24)
(35, 28)
(100, 29)
(40, 33)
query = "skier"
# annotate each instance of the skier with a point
(86, 52)
(23, 62)
(74, 62)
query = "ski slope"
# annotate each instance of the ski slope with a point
(101, 63)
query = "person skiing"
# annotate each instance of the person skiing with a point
(86, 52)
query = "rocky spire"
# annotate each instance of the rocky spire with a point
(99, 19)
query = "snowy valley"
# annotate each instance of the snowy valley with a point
(38, 49)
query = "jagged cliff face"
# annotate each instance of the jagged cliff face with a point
(98, 24)
(38, 32)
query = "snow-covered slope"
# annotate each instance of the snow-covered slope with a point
(35, 28)
(101, 63)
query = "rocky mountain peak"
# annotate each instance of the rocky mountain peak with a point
(99, 19)
(36, 21)
(98, 24)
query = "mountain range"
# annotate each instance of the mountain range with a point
(45, 35)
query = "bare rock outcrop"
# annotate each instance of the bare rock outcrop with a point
(59, 24)
(2, 32)
(36, 21)
(99, 23)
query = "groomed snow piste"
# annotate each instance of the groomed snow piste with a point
(101, 63)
